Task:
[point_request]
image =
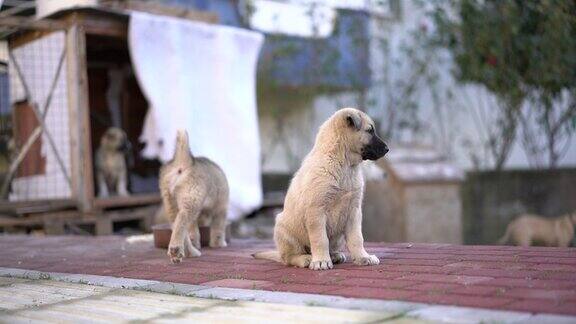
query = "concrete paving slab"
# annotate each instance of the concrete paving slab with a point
(451, 314)
(73, 297)
(41, 301)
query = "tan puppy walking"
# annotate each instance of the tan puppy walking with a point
(527, 230)
(193, 188)
(323, 203)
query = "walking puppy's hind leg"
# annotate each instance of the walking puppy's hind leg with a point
(188, 211)
(190, 249)
(195, 235)
(218, 229)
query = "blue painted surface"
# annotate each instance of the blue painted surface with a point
(227, 10)
(4, 95)
(339, 61)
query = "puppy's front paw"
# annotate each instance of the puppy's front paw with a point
(176, 253)
(320, 265)
(218, 242)
(368, 260)
(337, 257)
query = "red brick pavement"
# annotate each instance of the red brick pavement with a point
(539, 280)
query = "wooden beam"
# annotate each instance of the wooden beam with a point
(99, 23)
(28, 23)
(105, 27)
(160, 9)
(135, 200)
(26, 207)
(81, 147)
(21, 38)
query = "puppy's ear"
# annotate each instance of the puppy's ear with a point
(354, 121)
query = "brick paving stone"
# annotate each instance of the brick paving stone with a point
(543, 306)
(447, 278)
(495, 277)
(556, 275)
(423, 262)
(475, 290)
(530, 283)
(491, 265)
(557, 294)
(493, 258)
(254, 275)
(498, 273)
(468, 251)
(392, 268)
(368, 273)
(555, 267)
(426, 256)
(239, 260)
(566, 261)
(434, 287)
(549, 254)
(256, 267)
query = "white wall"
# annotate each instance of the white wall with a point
(284, 146)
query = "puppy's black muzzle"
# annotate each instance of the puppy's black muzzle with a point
(125, 147)
(375, 149)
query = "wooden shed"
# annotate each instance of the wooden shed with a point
(60, 73)
(418, 201)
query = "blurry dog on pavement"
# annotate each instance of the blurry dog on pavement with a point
(323, 206)
(193, 189)
(528, 230)
(111, 163)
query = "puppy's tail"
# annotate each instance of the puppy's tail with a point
(504, 239)
(182, 153)
(268, 255)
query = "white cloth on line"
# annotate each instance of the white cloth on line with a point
(201, 78)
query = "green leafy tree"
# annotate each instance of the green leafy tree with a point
(524, 52)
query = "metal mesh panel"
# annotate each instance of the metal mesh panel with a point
(38, 106)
